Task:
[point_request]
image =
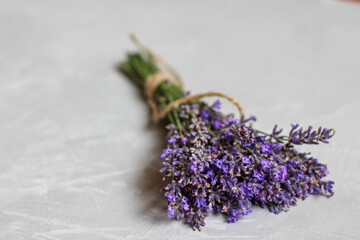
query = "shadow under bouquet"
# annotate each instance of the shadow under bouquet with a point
(217, 163)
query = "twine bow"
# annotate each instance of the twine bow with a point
(153, 81)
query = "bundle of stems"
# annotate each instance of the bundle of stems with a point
(138, 68)
(216, 163)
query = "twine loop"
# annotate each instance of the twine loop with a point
(153, 81)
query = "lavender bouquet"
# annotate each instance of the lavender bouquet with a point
(217, 163)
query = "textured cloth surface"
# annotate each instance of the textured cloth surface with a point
(78, 159)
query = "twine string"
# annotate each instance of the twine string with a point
(153, 81)
(189, 98)
(166, 65)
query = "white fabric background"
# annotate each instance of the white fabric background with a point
(78, 159)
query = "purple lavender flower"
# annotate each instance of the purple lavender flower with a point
(214, 163)
(218, 164)
(279, 174)
(216, 104)
(299, 136)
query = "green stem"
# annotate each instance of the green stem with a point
(280, 158)
(137, 68)
(252, 153)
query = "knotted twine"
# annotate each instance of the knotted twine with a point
(153, 81)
